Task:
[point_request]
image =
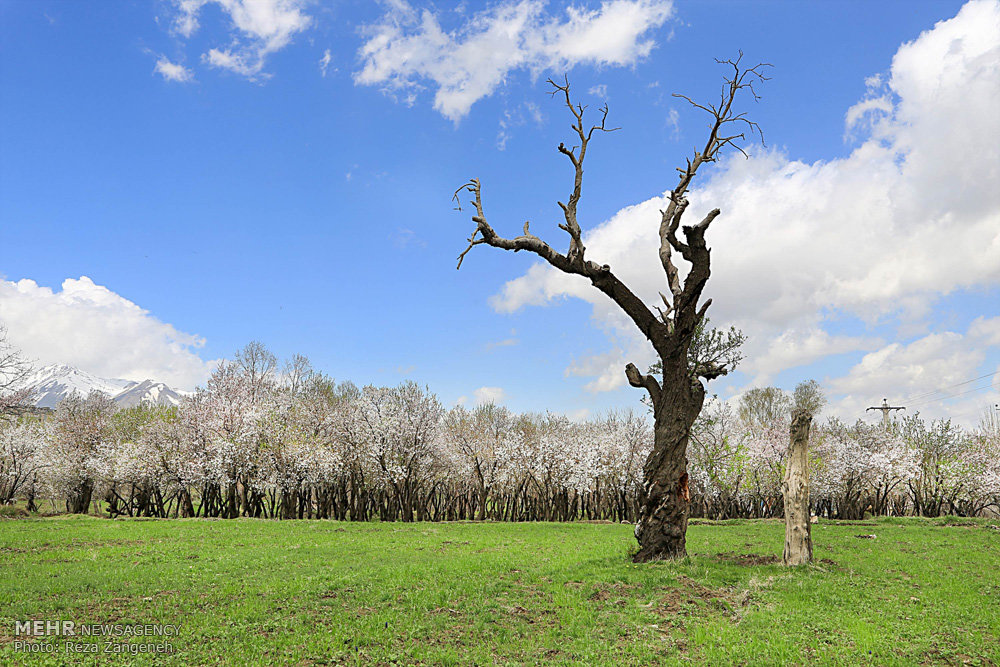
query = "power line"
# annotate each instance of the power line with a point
(928, 401)
(942, 389)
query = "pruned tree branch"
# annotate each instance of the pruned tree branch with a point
(640, 381)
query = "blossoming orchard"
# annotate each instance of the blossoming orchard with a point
(256, 442)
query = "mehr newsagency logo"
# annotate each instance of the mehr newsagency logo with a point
(131, 638)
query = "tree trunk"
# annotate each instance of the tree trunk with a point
(665, 498)
(186, 506)
(483, 495)
(795, 488)
(79, 499)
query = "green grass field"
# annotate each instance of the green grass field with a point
(320, 592)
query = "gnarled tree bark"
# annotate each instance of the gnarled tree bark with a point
(677, 400)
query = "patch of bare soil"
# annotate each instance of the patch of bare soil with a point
(747, 559)
(615, 593)
(690, 596)
(847, 522)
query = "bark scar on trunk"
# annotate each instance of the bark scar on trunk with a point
(683, 491)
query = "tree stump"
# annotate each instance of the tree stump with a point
(795, 488)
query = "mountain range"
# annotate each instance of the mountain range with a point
(50, 384)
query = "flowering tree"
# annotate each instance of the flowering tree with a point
(296, 444)
(720, 461)
(21, 458)
(14, 368)
(480, 442)
(82, 430)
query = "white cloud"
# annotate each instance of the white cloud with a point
(517, 117)
(90, 327)
(485, 395)
(926, 375)
(605, 368)
(799, 347)
(409, 47)
(259, 28)
(910, 215)
(173, 71)
(673, 121)
(324, 62)
(405, 238)
(985, 331)
(506, 342)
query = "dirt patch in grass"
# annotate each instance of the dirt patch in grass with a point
(690, 596)
(615, 593)
(845, 522)
(747, 560)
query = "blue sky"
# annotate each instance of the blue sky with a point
(217, 179)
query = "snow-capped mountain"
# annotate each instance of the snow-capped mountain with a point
(147, 391)
(51, 384)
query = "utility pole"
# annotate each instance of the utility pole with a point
(885, 409)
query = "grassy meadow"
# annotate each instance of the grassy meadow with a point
(328, 593)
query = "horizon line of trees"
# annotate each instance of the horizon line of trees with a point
(261, 442)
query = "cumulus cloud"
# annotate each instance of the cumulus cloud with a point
(799, 347)
(88, 326)
(986, 330)
(605, 368)
(910, 215)
(259, 28)
(173, 71)
(485, 395)
(408, 49)
(926, 375)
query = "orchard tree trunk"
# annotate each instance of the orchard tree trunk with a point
(79, 500)
(186, 506)
(795, 488)
(483, 497)
(665, 498)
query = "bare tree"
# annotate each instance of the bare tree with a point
(678, 398)
(14, 370)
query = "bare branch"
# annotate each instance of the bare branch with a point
(693, 248)
(600, 276)
(640, 381)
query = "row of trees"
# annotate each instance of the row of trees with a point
(910, 467)
(257, 442)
